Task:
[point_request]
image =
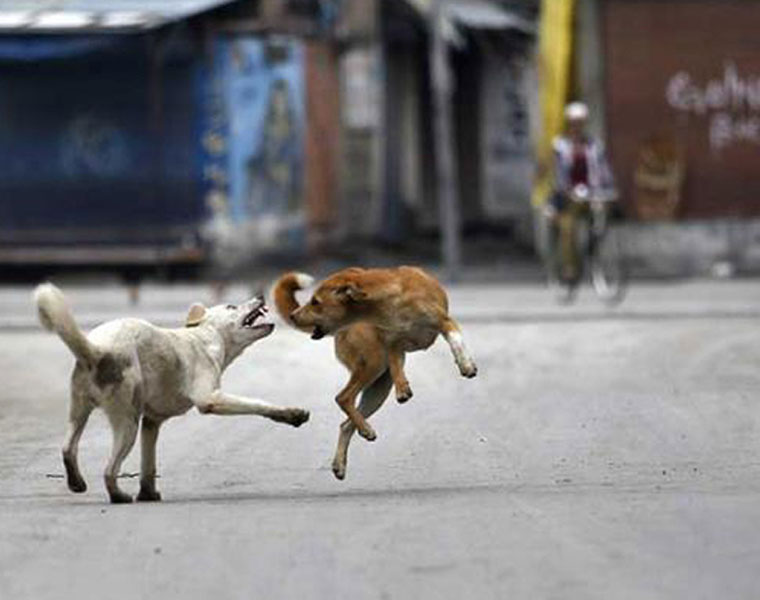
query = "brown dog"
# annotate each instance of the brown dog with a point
(376, 316)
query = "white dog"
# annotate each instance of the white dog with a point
(131, 369)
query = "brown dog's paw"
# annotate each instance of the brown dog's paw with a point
(339, 470)
(403, 394)
(469, 370)
(368, 434)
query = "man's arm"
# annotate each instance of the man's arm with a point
(560, 173)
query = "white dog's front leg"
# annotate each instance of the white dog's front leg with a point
(221, 403)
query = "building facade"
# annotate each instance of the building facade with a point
(682, 87)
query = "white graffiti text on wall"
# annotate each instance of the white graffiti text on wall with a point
(730, 102)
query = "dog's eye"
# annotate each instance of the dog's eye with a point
(231, 307)
(314, 302)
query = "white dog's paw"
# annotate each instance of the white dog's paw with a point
(148, 494)
(119, 497)
(298, 417)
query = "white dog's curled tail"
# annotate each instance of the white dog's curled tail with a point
(55, 315)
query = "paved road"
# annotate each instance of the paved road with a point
(598, 455)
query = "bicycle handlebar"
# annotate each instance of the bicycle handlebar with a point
(582, 194)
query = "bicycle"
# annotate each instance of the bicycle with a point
(595, 246)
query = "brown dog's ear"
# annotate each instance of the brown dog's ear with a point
(195, 315)
(351, 292)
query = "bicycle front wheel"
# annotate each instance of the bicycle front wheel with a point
(563, 289)
(609, 273)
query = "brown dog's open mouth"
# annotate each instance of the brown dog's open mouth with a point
(318, 333)
(249, 321)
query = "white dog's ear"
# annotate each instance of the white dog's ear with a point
(195, 315)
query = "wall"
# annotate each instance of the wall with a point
(362, 80)
(402, 178)
(687, 73)
(322, 139)
(254, 138)
(98, 141)
(507, 152)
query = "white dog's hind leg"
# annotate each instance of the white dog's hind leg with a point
(371, 400)
(453, 336)
(124, 421)
(79, 412)
(221, 403)
(148, 438)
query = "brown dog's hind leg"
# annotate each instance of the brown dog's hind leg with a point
(79, 412)
(453, 335)
(372, 399)
(148, 438)
(400, 382)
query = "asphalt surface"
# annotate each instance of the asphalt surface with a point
(598, 454)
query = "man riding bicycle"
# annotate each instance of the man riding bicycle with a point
(581, 173)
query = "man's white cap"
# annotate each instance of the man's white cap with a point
(576, 111)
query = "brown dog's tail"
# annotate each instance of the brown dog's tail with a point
(284, 293)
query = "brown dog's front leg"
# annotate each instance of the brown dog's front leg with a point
(346, 399)
(396, 366)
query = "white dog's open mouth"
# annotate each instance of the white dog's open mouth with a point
(249, 321)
